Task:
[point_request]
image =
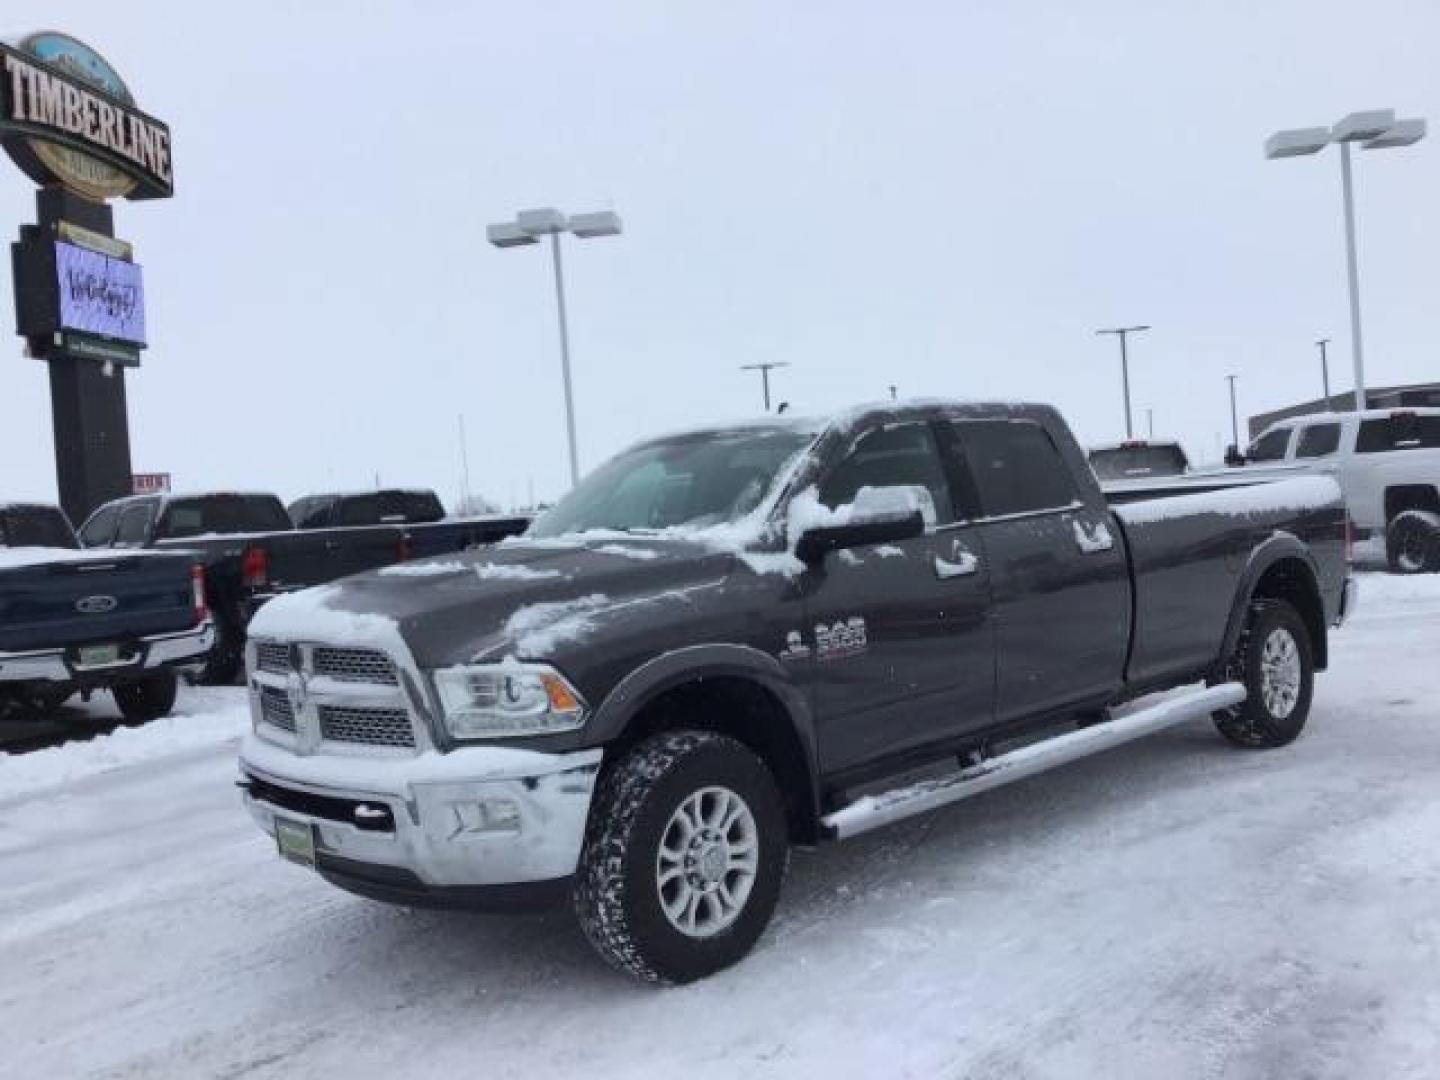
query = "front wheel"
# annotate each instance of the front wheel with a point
(1276, 664)
(684, 854)
(143, 700)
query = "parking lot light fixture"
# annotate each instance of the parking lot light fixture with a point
(527, 228)
(1123, 332)
(1373, 129)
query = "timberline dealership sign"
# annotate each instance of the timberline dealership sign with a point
(66, 116)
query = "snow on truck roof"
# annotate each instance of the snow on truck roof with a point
(841, 418)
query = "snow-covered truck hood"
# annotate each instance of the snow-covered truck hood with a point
(531, 599)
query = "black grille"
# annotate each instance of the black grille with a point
(276, 710)
(354, 665)
(272, 656)
(371, 727)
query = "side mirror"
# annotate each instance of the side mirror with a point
(886, 527)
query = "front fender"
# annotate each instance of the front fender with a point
(718, 660)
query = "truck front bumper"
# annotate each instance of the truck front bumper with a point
(142, 656)
(479, 827)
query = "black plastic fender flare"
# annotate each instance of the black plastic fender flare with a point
(1281, 545)
(692, 662)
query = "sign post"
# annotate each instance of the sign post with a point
(69, 122)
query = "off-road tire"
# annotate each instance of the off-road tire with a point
(1412, 542)
(617, 893)
(1255, 724)
(143, 700)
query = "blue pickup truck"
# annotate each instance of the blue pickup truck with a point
(80, 621)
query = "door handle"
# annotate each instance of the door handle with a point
(961, 563)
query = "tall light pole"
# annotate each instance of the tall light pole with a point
(764, 369)
(1150, 423)
(1375, 129)
(1325, 370)
(1234, 414)
(527, 228)
(1123, 332)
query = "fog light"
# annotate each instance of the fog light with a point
(500, 815)
(487, 816)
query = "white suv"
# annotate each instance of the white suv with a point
(1387, 462)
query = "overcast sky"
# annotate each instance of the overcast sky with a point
(948, 197)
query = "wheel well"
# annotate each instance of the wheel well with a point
(1292, 581)
(1404, 497)
(749, 712)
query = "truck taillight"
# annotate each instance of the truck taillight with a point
(198, 607)
(254, 568)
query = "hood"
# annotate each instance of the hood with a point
(526, 598)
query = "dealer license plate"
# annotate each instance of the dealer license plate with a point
(92, 656)
(296, 841)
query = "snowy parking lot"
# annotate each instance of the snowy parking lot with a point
(1175, 908)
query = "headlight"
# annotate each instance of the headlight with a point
(492, 701)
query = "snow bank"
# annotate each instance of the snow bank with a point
(21, 774)
(1302, 493)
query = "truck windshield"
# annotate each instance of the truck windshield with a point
(707, 478)
(223, 514)
(36, 526)
(1129, 462)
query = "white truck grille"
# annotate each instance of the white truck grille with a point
(315, 695)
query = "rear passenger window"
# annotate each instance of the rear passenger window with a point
(899, 455)
(1318, 440)
(1016, 467)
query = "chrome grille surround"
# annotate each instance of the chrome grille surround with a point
(339, 699)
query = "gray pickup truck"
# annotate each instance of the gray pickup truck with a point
(81, 621)
(725, 642)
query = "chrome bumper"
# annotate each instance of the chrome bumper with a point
(156, 651)
(477, 816)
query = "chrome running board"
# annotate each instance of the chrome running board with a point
(872, 811)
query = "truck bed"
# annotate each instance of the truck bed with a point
(1192, 545)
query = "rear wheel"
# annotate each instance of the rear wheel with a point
(1275, 662)
(684, 855)
(143, 700)
(222, 665)
(1412, 542)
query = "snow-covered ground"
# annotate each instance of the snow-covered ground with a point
(1175, 908)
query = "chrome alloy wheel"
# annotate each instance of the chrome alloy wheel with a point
(708, 859)
(1280, 673)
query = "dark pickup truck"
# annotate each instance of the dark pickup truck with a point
(726, 642)
(72, 620)
(428, 529)
(252, 551)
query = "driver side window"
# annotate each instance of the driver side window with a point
(896, 455)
